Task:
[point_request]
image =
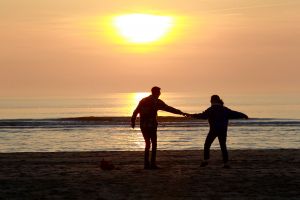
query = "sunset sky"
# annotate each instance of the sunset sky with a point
(71, 47)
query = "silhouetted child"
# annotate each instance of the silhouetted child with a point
(218, 116)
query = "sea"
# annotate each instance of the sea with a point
(102, 123)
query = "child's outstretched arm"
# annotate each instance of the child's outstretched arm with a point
(237, 115)
(203, 115)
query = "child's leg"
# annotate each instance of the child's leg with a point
(222, 141)
(208, 141)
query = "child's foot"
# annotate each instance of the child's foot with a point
(155, 167)
(204, 163)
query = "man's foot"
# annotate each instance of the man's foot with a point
(204, 163)
(155, 167)
(147, 166)
(226, 166)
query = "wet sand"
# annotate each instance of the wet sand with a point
(254, 174)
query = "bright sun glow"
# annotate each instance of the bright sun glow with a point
(133, 100)
(142, 28)
(139, 96)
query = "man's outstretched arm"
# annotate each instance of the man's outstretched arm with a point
(165, 107)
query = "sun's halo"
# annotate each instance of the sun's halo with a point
(140, 95)
(142, 28)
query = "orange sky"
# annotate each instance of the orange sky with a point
(61, 47)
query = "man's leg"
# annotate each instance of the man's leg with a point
(154, 147)
(147, 148)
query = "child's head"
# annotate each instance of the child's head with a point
(215, 99)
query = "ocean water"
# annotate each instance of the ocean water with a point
(102, 123)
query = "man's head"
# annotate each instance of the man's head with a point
(155, 91)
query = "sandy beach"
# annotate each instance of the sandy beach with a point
(254, 174)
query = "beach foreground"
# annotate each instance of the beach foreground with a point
(254, 174)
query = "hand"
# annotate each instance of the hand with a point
(186, 114)
(132, 125)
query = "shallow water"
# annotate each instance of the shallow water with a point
(30, 125)
(78, 135)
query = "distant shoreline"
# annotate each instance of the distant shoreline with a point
(122, 118)
(126, 120)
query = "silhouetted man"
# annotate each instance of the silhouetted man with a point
(147, 108)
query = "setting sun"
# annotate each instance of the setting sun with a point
(142, 28)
